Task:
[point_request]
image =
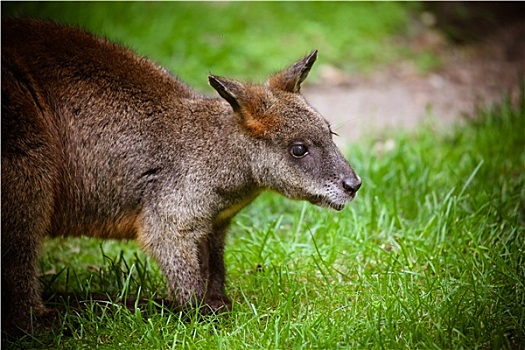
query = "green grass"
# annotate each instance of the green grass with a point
(248, 40)
(429, 256)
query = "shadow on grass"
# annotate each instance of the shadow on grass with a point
(62, 305)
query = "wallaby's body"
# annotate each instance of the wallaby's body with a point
(98, 141)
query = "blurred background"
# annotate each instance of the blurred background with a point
(381, 65)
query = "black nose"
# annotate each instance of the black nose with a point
(351, 183)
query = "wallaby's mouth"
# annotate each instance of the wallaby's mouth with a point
(338, 207)
(335, 204)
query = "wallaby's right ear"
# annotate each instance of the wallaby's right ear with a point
(229, 90)
(291, 78)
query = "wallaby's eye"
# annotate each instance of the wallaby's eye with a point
(298, 151)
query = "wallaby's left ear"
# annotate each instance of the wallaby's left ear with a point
(291, 78)
(230, 90)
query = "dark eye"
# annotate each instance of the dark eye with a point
(298, 151)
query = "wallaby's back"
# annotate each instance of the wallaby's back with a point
(54, 51)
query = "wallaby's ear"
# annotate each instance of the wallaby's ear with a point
(248, 103)
(291, 78)
(229, 90)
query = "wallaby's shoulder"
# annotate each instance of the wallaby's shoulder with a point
(57, 51)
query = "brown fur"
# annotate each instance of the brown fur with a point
(98, 141)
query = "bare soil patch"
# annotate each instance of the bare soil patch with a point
(471, 75)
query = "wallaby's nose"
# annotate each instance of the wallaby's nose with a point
(351, 183)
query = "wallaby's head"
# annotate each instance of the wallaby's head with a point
(290, 144)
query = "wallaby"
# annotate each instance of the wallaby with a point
(99, 141)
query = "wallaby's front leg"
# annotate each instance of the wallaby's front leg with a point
(213, 251)
(177, 252)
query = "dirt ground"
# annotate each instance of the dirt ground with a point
(471, 75)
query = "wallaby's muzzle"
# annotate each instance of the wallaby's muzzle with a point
(351, 184)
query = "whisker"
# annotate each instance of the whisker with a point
(339, 125)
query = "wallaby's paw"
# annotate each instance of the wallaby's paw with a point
(216, 304)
